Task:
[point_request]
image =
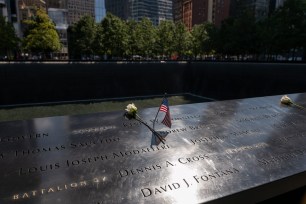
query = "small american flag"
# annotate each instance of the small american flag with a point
(164, 107)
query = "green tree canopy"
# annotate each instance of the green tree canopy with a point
(82, 36)
(165, 38)
(98, 44)
(238, 36)
(8, 38)
(133, 43)
(146, 37)
(282, 32)
(290, 24)
(115, 37)
(41, 35)
(198, 35)
(181, 39)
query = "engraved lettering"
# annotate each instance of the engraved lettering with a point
(34, 193)
(87, 160)
(23, 137)
(139, 170)
(169, 163)
(282, 157)
(139, 151)
(51, 189)
(260, 107)
(259, 117)
(38, 150)
(245, 132)
(214, 175)
(248, 147)
(147, 192)
(192, 159)
(187, 184)
(284, 124)
(93, 130)
(42, 168)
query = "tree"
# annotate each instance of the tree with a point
(202, 39)
(115, 36)
(82, 36)
(8, 38)
(165, 38)
(245, 34)
(41, 35)
(98, 44)
(238, 36)
(290, 23)
(226, 40)
(209, 46)
(268, 38)
(146, 37)
(133, 43)
(198, 34)
(181, 39)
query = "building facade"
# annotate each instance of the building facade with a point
(193, 12)
(67, 12)
(220, 11)
(155, 10)
(187, 9)
(62, 4)
(258, 8)
(177, 10)
(79, 8)
(25, 10)
(119, 8)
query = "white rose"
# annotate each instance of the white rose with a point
(286, 100)
(131, 108)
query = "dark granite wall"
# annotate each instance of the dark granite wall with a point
(241, 80)
(23, 83)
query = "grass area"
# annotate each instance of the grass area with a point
(24, 113)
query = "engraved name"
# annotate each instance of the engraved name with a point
(222, 137)
(23, 137)
(89, 143)
(186, 183)
(215, 175)
(149, 191)
(282, 157)
(42, 168)
(93, 130)
(248, 147)
(162, 165)
(260, 117)
(139, 151)
(114, 155)
(285, 124)
(288, 138)
(89, 160)
(260, 107)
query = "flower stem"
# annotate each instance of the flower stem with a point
(298, 106)
(152, 130)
